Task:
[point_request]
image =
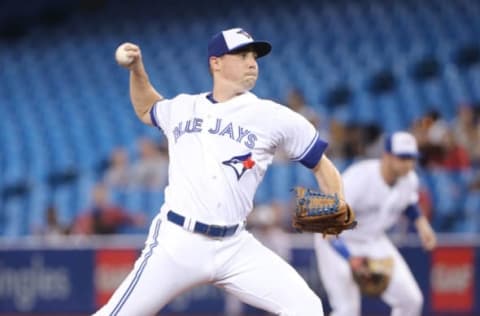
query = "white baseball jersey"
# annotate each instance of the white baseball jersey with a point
(377, 205)
(218, 156)
(219, 152)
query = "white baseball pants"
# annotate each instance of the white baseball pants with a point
(403, 294)
(175, 260)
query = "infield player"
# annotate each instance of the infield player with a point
(220, 145)
(380, 191)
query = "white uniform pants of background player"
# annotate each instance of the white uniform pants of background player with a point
(175, 260)
(403, 294)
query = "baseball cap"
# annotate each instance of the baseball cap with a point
(402, 144)
(232, 40)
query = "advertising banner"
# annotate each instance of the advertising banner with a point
(452, 279)
(68, 282)
(46, 281)
(111, 267)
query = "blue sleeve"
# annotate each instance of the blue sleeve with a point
(412, 212)
(152, 116)
(340, 247)
(314, 152)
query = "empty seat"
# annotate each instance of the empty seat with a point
(410, 54)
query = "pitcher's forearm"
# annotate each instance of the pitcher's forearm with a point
(142, 94)
(328, 177)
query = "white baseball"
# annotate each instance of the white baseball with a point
(122, 56)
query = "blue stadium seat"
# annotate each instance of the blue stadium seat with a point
(303, 177)
(264, 190)
(448, 197)
(38, 201)
(67, 114)
(472, 216)
(282, 181)
(15, 212)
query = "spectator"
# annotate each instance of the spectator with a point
(53, 229)
(296, 101)
(354, 143)
(429, 139)
(151, 169)
(466, 128)
(338, 139)
(455, 156)
(436, 127)
(103, 217)
(425, 202)
(475, 184)
(374, 140)
(118, 172)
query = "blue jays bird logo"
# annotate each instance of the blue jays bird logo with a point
(240, 164)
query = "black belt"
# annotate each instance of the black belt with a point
(201, 228)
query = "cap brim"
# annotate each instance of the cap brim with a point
(260, 47)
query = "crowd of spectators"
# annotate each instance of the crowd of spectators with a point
(106, 215)
(445, 144)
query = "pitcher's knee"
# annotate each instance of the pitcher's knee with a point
(346, 309)
(308, 307)
(412, 304)
(416, 302)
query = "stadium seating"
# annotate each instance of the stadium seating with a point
(65, 105)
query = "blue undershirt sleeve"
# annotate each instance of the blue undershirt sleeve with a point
(341, 248)
(314, 153)
(412, 212)
(153, 117)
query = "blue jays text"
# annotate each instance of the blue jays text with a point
(236, 133)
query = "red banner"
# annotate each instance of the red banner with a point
(452, 279)
(112, 266)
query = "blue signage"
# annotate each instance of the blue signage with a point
(46, 281)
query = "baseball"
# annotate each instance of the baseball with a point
(122, 56)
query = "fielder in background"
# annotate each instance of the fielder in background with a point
(364, 260)
(220, 144)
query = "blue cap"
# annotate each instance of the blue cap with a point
(235, 39)
(402, 144)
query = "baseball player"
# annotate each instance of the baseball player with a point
(220, 144)
(380, 191)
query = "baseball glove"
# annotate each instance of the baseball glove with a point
(372, 275)
(321, 213)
